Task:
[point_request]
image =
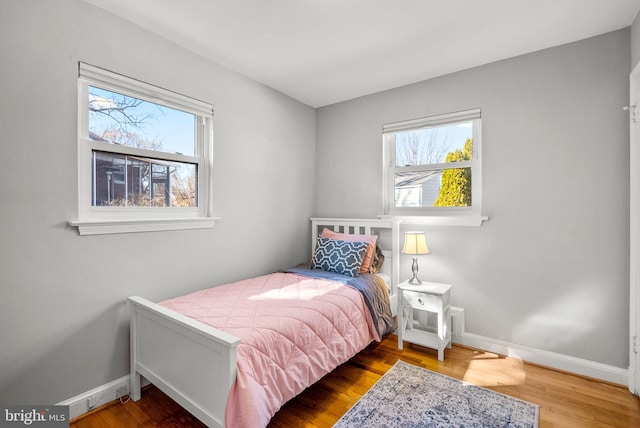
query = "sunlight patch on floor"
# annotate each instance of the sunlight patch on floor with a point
(487, 369)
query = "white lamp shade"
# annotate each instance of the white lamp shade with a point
(415, 243)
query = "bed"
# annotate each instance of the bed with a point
(190, 347)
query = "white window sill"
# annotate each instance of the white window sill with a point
(103, 227)
(474, 220)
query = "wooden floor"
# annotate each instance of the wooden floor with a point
(565, 400)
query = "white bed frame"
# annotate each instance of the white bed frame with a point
(195, 364)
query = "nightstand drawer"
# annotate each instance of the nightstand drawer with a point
(424, 301)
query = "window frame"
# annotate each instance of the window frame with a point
(434, 215)
(118, 219)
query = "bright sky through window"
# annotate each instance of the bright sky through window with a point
(431, 145)
(117, 118)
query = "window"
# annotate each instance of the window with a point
(144, 156)
(432, 166)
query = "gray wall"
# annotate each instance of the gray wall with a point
(550, 269)
(63, 317)
(635, 41)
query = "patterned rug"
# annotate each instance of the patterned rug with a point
(409, 396)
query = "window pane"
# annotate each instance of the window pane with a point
(120, 180)
(435, 188)
(119, 119)
(447, 143)
(137, 182)
(160, 185)
(109, 179)
(183, 185)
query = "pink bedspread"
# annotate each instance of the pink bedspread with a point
(294, 330)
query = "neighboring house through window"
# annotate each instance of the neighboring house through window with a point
(432, 166)
(145, 156)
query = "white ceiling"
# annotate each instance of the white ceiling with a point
(325, 51)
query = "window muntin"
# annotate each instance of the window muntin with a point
(145, 152)
(433, 165)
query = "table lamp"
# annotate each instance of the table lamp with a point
(415, 243)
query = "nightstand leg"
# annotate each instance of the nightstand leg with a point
(401, 320)
(447, 320)
(441, 334)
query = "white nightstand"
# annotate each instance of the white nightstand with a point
(415, 302)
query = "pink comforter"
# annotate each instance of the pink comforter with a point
(294, 330)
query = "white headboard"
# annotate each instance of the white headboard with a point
(388, 232)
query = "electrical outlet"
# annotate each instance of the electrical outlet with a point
(92, 401)
(121, 392)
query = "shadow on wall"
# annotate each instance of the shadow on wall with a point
(572, 316)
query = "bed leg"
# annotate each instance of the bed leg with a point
(135, 386)
(134, 377)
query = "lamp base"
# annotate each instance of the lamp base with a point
(415, 281)
(414, 270)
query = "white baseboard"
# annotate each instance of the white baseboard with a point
(554, 360)
(79, 404)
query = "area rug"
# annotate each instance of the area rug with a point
(409, 396)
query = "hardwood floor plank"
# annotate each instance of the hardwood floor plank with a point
(565, 400)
